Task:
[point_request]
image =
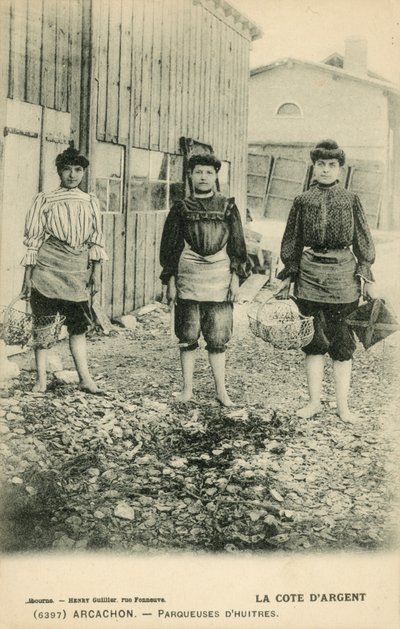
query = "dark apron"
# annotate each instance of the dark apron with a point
(328, 277)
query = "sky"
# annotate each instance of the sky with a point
(313, 29)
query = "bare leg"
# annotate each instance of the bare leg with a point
(342, 375)
(77, 343)
(41, 368)
(315, 372)
(188, 358)
(217, 362)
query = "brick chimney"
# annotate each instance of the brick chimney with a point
(355, 56)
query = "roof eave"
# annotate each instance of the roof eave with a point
(339, 72)
(230, 12)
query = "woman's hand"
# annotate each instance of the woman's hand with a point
(369, 291)
(95, 278)
(171, 291)
(283, 289)
(233, 291)
(27, 284)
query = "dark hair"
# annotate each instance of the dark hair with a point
(203, 159)
(328, 149)
(70, 157)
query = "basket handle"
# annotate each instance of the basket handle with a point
(8, 308)
(269, 297)
(264, 301)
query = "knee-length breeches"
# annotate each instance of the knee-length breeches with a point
(77, 313)
(332, 334)
(213, 319)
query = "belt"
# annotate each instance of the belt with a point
(326, 249)
(324, 260)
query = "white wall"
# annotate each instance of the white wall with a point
(353, 113)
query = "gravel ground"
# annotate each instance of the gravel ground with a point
(137, 471)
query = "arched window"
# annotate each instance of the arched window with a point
(289, 109)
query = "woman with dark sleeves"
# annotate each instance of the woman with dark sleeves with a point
(203, 254)
(327, 251)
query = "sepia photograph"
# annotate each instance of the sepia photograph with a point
(199, 314)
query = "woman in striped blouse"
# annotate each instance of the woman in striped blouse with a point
(62, 264)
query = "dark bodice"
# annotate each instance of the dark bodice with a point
(207, 225)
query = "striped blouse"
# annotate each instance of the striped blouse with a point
(72, 216)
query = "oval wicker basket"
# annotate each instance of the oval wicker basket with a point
(280, 323)
(46, 330)
(18, 327)
(15, 324)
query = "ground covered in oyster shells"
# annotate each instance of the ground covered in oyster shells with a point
(137, 471)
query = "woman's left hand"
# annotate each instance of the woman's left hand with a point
(369, 291)
(233, 291)
(94, 280)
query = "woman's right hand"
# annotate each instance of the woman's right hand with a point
(171, 291)
(283, 289)
(26, 285)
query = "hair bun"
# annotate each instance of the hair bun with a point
(328, 149)
(71, 156)
(204, 159)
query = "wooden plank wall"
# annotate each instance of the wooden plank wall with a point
(164, 69)
(158, 70)
(41, 57)
(186, 75)
(45, 54)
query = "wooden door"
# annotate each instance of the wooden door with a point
(155, 183)
(109, 165)
(366, 179)
(287, 180)
(21, 184)
(258, 171)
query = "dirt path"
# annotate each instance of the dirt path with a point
(138, 471)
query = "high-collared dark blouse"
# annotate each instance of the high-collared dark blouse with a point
(327, 217)
(207, 225)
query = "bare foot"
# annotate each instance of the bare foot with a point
(309, 411)
(347, 416)
(90, 386)
(184, 396)
(39, 387)
(224, 399)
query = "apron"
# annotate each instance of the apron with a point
(61, 272)
(328, 277)
(203, 278)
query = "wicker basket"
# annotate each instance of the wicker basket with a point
(18, 327)
(281, 324)
(46, 330)
(15, 324)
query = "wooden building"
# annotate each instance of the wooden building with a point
(136, 84)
